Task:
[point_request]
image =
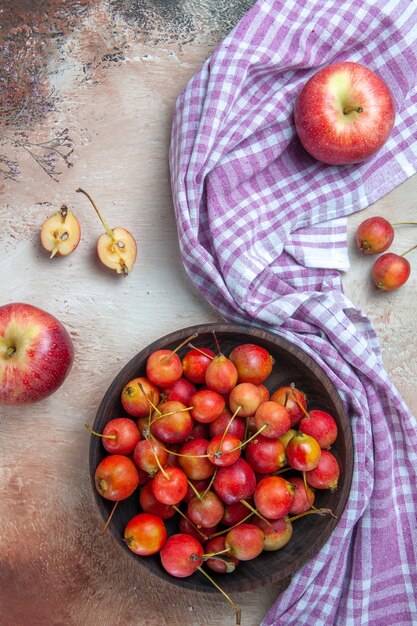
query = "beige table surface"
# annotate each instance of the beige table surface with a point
(97, 81)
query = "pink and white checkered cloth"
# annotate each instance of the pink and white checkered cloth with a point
(262, 230)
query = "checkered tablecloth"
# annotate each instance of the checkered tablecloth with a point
(262, 231)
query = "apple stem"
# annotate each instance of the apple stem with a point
(190, 345)
(103, 530)
(348, 110)
(93, 432)
(106, 227)
(235, 607)
(409, 250)
(10, 351)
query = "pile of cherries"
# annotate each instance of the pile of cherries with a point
(207, 442)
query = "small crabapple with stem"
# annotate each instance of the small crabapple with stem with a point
(120, 435)
(391, 271)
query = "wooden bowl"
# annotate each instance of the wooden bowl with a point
(310, 532)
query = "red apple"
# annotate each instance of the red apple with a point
(36, 353)
(344, 113)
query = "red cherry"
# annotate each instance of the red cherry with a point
(116, 477)
(273, 497)
(221, 375)
(195, 364)
(320, 425)
(253, 363)
(245, 542)
(207, 405)
(326, 474)
(275, 417)
(277, 532)
(179, 556)
(291, 398)
(170, 485)
(145, 534)
(150, 504)
(163, 368)
(303, 452)
(224, 450)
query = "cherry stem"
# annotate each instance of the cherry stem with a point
(297, 400)
(106, 227)
(188, 456)
(228, 426)
(155, 408)
(235, 607)
(243, 443)
(93, 432)
(230, 566)
(404, 224)
(313, 511)
(161, 415)
(183, 343)
(407, 251)
(217, 342)
(190, 345)
(196, 493)
(158, 462)
(287, 395)
(210, 555)
(210, 484)
(283, 470)
(196, 528)
(251, 508)
(103, 530)
(226, 530)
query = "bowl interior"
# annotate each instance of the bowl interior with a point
(310, 532)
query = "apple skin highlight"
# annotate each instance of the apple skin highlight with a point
(344, 114)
